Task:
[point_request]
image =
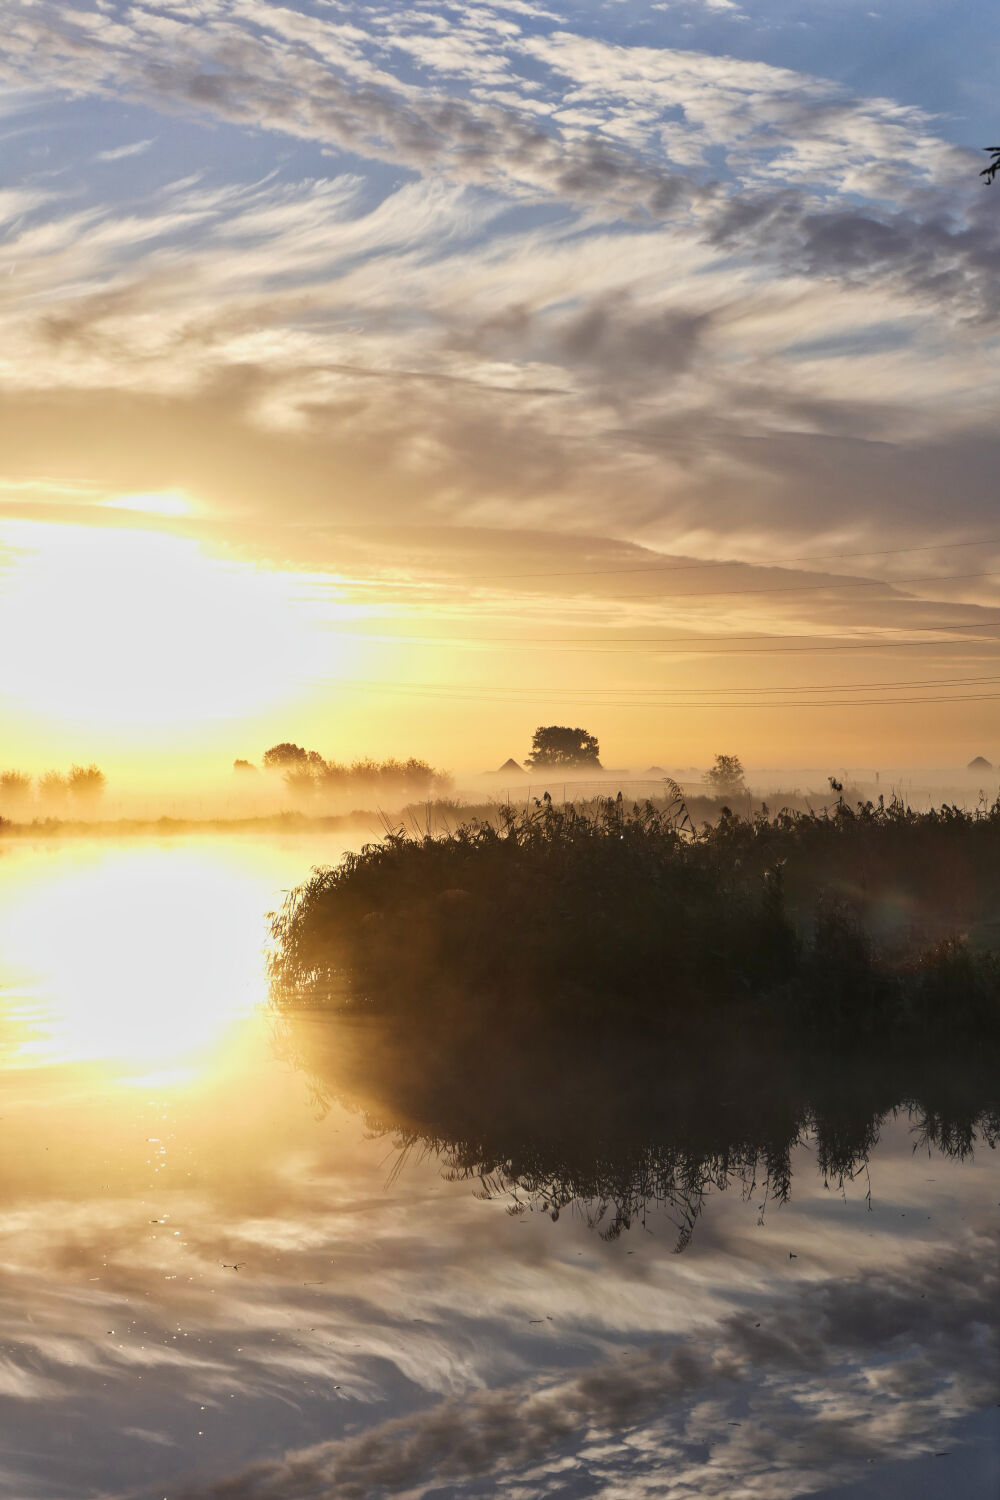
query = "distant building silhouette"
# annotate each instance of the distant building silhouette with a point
(511, 768)
(980, 764)
(654, 771)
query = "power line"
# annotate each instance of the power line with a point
(457, 689)
(654, 702)
(568, 645)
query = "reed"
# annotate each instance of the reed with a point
(857, 918)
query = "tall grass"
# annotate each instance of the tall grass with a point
(857, 918)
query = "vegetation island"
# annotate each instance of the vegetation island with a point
(855, 921)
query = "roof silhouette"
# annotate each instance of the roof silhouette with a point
(980, 764)
(511, 765)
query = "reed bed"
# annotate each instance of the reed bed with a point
(859, 918)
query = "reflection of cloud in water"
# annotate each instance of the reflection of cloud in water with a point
(421, 1318)
(805, 1389)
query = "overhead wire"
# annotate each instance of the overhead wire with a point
(749, 645)
(593, 701)
(545, 691)
(589, 645)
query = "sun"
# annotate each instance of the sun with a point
(135, 631)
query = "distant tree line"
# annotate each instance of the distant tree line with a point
(80, 785)
(306, 773)
(554, 747)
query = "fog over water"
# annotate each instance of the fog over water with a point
(235, 1262)
(230, 796)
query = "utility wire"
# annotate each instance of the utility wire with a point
(568, 645)
(661, 703)
(543, 693)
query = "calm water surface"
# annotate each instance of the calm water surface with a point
(220, 1280)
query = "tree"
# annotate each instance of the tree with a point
(14, 787)
(86, 782)
(994, 167)
(554, 747)
(282, 757)
(302, 779)
(303, 769)
(243, 766)
(52, 788)
(726, 777)
(306, 773)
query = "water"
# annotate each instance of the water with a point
(222, 1278)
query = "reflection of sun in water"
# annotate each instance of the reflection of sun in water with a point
(126, 630)
(145, 956)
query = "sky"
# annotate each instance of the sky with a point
(394, 379)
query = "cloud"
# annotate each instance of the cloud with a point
(313, 80)
(276, 69)
(670, 295)
(952, 265)
(119, 153)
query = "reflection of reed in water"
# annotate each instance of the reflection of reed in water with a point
(619, 1132)
(611, 1195)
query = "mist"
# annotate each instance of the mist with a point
(410, 791)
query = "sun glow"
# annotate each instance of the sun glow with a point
(134, 631)
(154, 503)
(85, 948)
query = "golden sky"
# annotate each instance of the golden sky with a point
(397, 380)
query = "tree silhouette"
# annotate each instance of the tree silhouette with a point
(86, 782)
(994, 167)
(14, 787)
(307, 773)
(726, 776)
(52, 788)
(555, 747)
(286, 755)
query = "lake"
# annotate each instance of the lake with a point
(237, 1265)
